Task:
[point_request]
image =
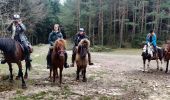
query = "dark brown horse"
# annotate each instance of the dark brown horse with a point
(13, 53)
(82, 58)
(167, 54)
(58, 59)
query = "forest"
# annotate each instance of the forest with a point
(113, 23)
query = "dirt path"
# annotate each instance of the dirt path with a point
(115, 75)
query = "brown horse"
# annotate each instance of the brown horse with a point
(81, 58)
(13, 53)
(167, 54)
(58, 59)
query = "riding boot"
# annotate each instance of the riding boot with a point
(89, 59)
(66, 64)
(49, 59)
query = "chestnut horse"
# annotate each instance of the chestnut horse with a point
(82, 58)
(147, 54)
(13, 53)
(167, 54)
(58, 59)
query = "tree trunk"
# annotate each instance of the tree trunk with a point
(143, 17)
(78, 14)
(122, 27)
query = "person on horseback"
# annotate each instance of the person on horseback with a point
(77, 38)
(53, 36)
(151, 38)
(17, 29)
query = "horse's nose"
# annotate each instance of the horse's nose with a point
(61, 54)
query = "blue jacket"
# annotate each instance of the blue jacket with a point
(53, 36)
(151, 39)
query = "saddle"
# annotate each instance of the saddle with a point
(30, 48)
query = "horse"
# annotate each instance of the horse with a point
(82, 58)
(58, 59)
(166, 48)
(14, 53)
(147, 54)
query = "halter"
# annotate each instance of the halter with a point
(61, 51)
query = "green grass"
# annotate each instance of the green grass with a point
(38, 96)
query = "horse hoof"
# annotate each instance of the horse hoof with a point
(11, 80)
(77, 79)
(166, 71)
(161, 69)
(59, 85)
(24, 86)
(17, 77)
(85, 80)
(25, 77)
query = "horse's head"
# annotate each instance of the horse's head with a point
(166, 51)
(83, 47)
(147, 50)
(59, 47)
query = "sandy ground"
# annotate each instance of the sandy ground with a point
(115, 75)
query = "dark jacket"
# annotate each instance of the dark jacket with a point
(19, 32)
(53, 36)
(78, 37)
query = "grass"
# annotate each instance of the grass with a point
(37, 96)
(86, 98)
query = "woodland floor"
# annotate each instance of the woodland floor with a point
(115, 75)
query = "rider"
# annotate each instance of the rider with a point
(53, 36)
(17, 29)
(151, 38)
(78, 37)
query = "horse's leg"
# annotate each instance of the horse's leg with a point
(167, 66)
(144, 61)
(161, 69)
(54, 73)
(61, 69)
(84, 74)
(21, 74)
(148, 65)
(10, 69)
(78, 71)
(17, 77)
(57, 73)
(157, 64)
(50, 73)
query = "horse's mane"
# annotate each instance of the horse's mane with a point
(59, 43)
(85, 41)
(7, 45)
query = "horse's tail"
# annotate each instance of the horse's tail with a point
(160, 52)
(28, 65)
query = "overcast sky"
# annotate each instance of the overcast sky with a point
(62, 1)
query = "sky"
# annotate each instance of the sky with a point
(62, 1)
